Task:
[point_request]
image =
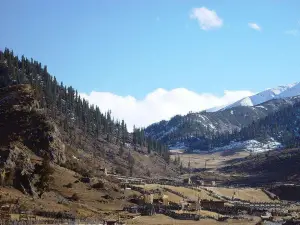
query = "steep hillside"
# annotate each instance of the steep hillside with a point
(281, 126)
(54, 146)
(79, 125)
(195, 130)
(26, 126)
(268, 167)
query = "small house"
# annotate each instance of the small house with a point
(207, 182)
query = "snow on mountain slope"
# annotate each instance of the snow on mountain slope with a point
(290, 92)
(215, 109)
(251, 146)
(269, 94)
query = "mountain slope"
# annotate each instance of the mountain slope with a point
(269, 94)
(268, 167)
(82, 126)
(46, 128)
(278, 129)
(199, 127)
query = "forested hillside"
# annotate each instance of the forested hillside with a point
(74, 133)
(282, 125)
(207, 130)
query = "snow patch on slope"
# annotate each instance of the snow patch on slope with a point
(178, 145)
(251, 145)
(269, 94)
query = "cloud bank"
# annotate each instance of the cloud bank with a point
(254, 26)
(160, 104)
(207, 19)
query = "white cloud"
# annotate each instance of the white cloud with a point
(293, 32)
(159, 104)
(207, 19)
(254, 26)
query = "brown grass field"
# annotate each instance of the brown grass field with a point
(165, 220)
(213, 160)
(248, 194)
(190, 193)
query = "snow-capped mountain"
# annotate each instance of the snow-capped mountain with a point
(249, 123)
(269, 94)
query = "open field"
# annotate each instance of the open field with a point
(190, 193)
(165, 220)
(213, 160)
(202, 213)
(248, 194)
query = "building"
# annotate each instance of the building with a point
(104, 171)
(148, 198)
(206, 182)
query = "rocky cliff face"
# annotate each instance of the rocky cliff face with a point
(26, 135)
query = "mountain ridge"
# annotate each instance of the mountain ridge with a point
(282, 91)
(200, 129)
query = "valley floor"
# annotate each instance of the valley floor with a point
(165, 220)
(211, 160)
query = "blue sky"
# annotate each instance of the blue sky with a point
(134, 47)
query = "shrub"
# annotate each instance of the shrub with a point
(75, 197)
(120, 170)
(98, 185)
(69, 185)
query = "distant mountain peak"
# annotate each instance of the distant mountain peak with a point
(282, 91)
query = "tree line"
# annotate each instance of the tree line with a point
(282, 125)
(64, 104)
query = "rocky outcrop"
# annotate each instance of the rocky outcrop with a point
(26, 134)
(57, 147)
(17, 168)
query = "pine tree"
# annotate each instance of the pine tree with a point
(45, 171)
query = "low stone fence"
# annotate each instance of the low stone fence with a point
(270, 194)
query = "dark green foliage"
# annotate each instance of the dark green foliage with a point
(207, 130)
(75, 197)
(69, 185)
(72, 111)
(45, 172)
(141, 140)
(10, 177)
(148, 173)
(120, 170)
(131, 163)
(121, 150)
(281, 125)
(99, 185)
